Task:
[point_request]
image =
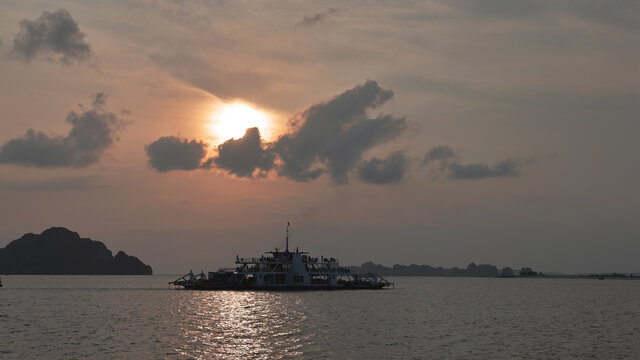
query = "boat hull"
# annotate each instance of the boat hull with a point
(281, 287)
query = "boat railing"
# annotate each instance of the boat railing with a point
(224, 269)
(261, 260)
(189, 278)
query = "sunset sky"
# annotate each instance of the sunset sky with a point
(427, 132)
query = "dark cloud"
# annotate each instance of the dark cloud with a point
(242, 157)
(344, 152)
(387, 171)
(173, 153)
(328, 137)
(441, 155)
(308, 21)
(92, 132)
(100, 100)
(439, 152)
(335, 133)
(53, 33)
(505, 168)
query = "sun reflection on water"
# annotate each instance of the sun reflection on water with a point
(234, 325)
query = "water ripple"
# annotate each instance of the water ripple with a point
(423, 318)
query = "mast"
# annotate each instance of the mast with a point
(287, 242)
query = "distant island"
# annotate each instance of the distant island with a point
(59, 251)
(482, 270)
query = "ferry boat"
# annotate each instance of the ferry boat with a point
(282, 270)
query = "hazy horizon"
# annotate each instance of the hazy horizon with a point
(436, 132)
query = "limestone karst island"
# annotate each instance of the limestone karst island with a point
(59, 251)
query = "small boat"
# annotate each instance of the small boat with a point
(282, 270)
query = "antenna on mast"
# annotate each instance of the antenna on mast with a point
(287, 243)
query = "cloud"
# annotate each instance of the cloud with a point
(57, 184)
(309, 21)
(173, 153)
(92, 132)
(335, 133)
(53, 33)
(500, 8)
(439, 152)
(442, 155)
(344, 152)
(242, 157)
(99, 101)
(327, 137)
(505, 168)
(387, 171)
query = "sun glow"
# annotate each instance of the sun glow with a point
(232, 120)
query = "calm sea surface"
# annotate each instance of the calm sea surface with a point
(116, 317)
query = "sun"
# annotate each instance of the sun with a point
(232, 120)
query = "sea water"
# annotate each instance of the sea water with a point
(139, 317)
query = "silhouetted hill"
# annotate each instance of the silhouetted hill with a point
(507, 272)
(59, 251)
(482, 270)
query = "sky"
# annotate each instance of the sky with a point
(426, 132)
